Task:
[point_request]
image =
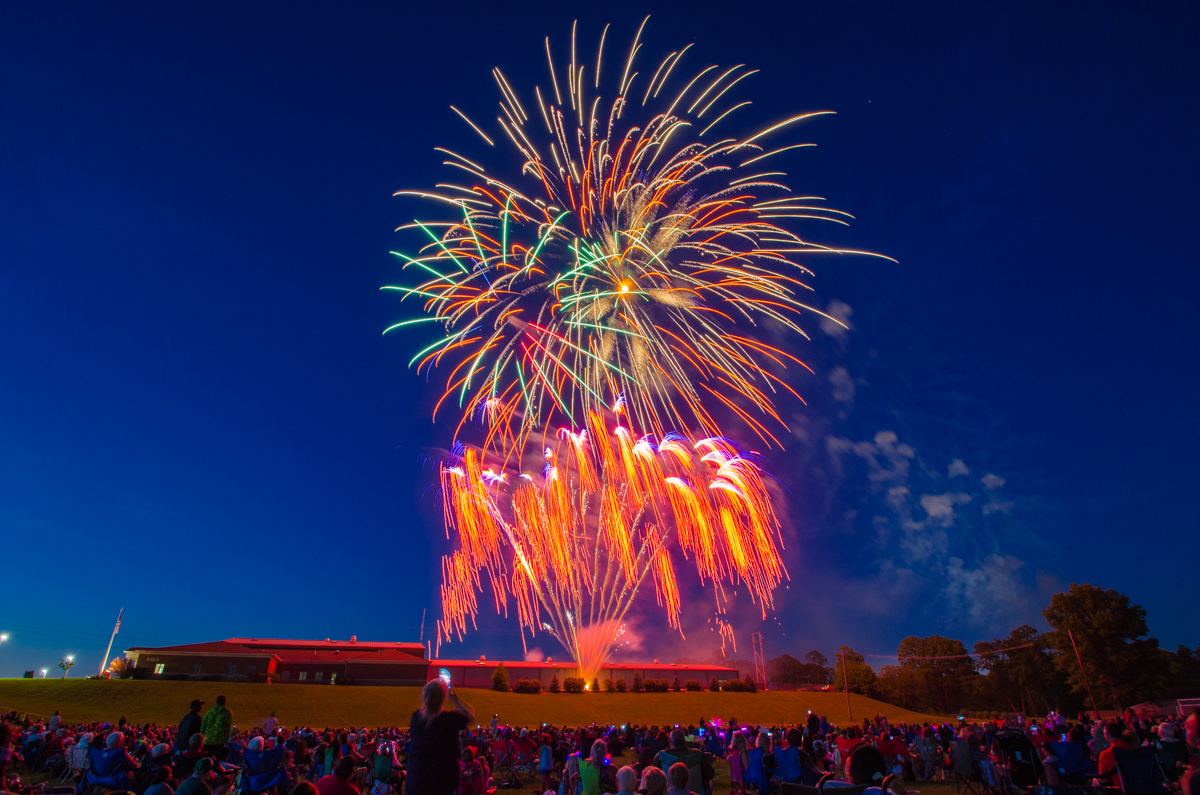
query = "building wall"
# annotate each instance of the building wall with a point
(476, 675)
(314, 673)
(197, 664)
(411, 674)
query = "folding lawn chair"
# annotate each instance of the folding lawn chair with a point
(1073, 767)
(523, 763)
(1017, 760)
(1141, 773)
(77, 759)
(263, 771)
(105, 770)
(968, 775)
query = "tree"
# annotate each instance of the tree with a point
(1183, 669)
(595, 684)
(554, 687)
(816, 668)
(1122, 664)
(676, 686)
(749, 685)
(861, 675)
(785, 668)
(66, 664)
(637, 682)
(1025, 680)
(900, 685)
(943, 669)
(500, 678)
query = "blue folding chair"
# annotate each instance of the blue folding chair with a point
(264, 770)
(106, 770)
(1141, 773)
(1073, 767)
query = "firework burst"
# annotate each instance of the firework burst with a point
(622, 257)
(573, 546)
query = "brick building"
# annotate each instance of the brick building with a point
(321, 662)
(295, 661)
(478, 673)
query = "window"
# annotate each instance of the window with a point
(160, 667)
(303, 675)
(231, 670)
(333, 680)
(250, 669)
(319, 675)
(287, 675)
(196, 668)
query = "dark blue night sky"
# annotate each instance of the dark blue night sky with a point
(201, 422)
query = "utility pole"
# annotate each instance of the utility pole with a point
(116, 629)
(1083, 671)
(760, 660)
(846, 685)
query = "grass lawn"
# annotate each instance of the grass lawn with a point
(325, 705)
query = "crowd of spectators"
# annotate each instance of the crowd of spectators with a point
(446, 750)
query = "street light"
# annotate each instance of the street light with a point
(44, 672)
(66, 664)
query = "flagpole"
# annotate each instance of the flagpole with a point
(116, 629)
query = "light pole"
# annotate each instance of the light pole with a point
(66, 664)
(44, 672)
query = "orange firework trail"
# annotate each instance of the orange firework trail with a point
(627, 250)
(573, 546)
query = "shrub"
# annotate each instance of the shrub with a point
(573, 684)
(620, 685)
(637, 682)
(527, 686)
(121, 668)
(692, 686)
(655, 685)
(749, 685)
(554, 688)
(609, 687)
(595, 685)
(175, 677)
(343, 680)
(732, 685)
(676, 686)
(714, 685)
(500, 679)
(260, 677)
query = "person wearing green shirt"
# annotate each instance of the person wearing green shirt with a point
(595, 769)
(215, 726)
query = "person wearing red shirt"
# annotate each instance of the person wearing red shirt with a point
(1107, 763)
(338, 782)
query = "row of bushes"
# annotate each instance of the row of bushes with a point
(572, 684)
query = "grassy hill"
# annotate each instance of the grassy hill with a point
(316, 705)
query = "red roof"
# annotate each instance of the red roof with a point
(284, 643)
(211, 647)
(300, 650)
(647, 666)
(368, 655)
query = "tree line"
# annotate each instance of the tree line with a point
(1028, 671)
